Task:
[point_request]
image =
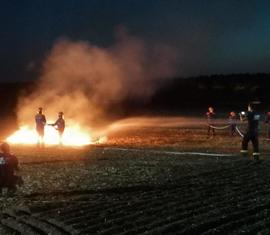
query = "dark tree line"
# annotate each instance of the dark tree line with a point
(226, 92)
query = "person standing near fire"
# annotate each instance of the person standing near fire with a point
(252, 132)
(40, 125)
(210, 115)
(60, 125)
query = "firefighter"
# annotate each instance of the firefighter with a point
(40, 125)
(8, 166)
(252, 132)
(210, 115)
(267, 121)
(59, 125)
(232, 122)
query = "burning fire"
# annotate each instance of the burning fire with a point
(73, 136)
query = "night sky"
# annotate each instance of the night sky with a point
(210, 36)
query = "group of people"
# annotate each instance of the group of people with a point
(251, 132)
(9, 163)
(211, 115)
(41, 122)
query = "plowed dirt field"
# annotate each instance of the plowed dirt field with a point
(142, 181)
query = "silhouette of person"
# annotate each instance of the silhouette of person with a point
(251, 133)
(8, 166)
(267, 121)
(232, 122)
(60, 126)
(210, 115)
(40, 124)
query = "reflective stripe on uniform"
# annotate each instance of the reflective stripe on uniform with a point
(257, 117)
(243, 151)
(2, 161)
(256, 154)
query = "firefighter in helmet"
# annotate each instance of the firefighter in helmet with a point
(8, 167)
(232, 122)
(252, 132)
(60, 125)
(40, 125)
(210, 115)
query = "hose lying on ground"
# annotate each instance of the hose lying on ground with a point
(227, 126)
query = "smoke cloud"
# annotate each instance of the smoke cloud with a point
(84, 80)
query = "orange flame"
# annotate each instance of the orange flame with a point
(73, 136)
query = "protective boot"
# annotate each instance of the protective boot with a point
(256, 156)
(244, 153)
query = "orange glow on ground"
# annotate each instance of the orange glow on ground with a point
(73, 136)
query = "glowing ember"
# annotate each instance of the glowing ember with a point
(73, 136)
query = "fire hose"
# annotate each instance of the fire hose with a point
(170, 152)
(239, 132)
(219, 127)
(227, 126)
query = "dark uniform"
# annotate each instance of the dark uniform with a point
(40, 120)
(8, 166)
(267, 121)
(251, 134)
(210, 115)
(60, 126)
(232, 122)
(40, 124)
